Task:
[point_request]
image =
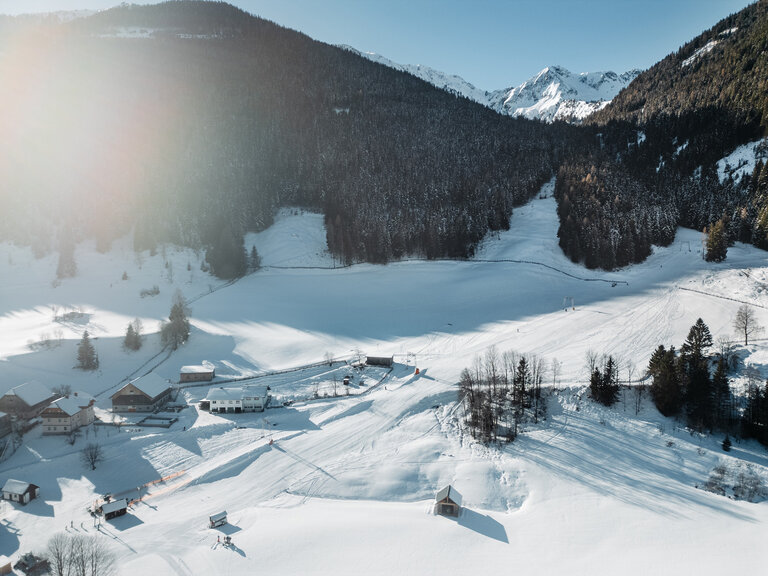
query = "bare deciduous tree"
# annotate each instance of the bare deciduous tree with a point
(746, 323)
(92, 455)
(727, 351)
(80, 556)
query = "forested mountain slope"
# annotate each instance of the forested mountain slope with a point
(660, 140)
(193, 122)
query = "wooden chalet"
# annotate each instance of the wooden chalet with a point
(197, 373)
(27, 400)
(380, 361)
(113, 508)
(448, 502)
(66, 415)
(145, 394)
(18, 491)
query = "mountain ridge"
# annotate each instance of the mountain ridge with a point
(555, 93)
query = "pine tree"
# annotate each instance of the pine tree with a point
(604, 386)
(717, 242)
(694, 365)
(254, 260)
(175, 331)
(87, 359)
(666, 389)
(132, 340)
(698, 341)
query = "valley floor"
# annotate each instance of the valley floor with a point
(344, 485)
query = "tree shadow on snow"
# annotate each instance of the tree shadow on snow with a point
(649, 474)
(9, 538)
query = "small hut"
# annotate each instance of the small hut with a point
(448, 502)
(21, 492)
(114, 508)
(197, 373)
(216, 520)
(380, 361)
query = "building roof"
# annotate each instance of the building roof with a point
(66, 405)
(218, 516)
(219, 393)
(31, 393)
(449, 492)
(114, 506)
(152, 385)
(236, 392)
(16, 486)
(258, 391)
(197, 369)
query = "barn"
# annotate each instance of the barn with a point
(113, 509)
(448, 502)
(27, 400)
(18, 491)
(144, 394)
(197, 373)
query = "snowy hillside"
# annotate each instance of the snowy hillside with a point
(558, 94)
(448, 82)
(553, 94)
(341, 475)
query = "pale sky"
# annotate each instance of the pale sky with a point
(491, 43)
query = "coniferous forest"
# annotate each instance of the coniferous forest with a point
(200, 133)
(200, 122)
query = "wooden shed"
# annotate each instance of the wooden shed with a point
(114, 508)
(448, 502)
(218, 519)
(197, 373)
(21, 492)
(380, 361)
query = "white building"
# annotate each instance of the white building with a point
(238, 399)
(66, 415)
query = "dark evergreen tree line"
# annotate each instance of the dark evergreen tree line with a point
(501, 393)
(684, 383)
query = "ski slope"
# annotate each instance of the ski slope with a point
(344, 485)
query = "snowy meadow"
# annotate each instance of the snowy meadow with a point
(340, 479)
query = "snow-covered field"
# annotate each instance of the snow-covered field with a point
(344, 484)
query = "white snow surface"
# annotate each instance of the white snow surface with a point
(742, 160)
(345, 484)
(706, 49)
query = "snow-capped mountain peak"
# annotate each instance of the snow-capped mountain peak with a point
(555, 93)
